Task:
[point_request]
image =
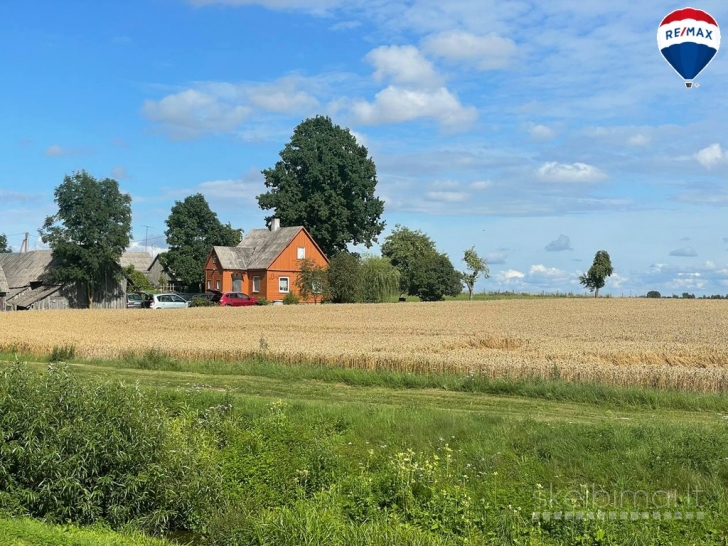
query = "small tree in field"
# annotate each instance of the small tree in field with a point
(4, 247)
(596, 277)
(475, 267)
(311, 281)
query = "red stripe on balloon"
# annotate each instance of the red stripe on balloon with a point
(688, 13)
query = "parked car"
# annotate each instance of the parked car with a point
(232, 299)
(134, 300)
(167, 301)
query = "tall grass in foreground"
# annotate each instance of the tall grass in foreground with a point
(233, 470)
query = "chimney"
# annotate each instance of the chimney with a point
(275, 224)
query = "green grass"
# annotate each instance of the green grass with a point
(29, 532)
(605, 396)
(311, 455)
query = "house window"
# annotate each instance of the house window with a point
(217, 285)
(301, 252)
(256, 284)
(283, 285)
(209, 284)
(214, 259)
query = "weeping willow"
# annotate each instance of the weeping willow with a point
(379, 280)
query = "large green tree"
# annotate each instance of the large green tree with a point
(404, 247)
(192, 230)
(4, 247)
(379, 280)
(325, 181)
(434, 277)
(90, 231)
(596, 277)
(475, 267)
(344, 277)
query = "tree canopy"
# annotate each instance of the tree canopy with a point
(404, 247)
(325, 181)
(311, 280)
(475, 267)
(434, 277)
(90, 231)
(193, 229)
(344, 277)
(596, 277)
(379, 280)
(4, 247)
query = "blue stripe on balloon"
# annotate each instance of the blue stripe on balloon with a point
(689, 58)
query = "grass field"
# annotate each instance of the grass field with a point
(405, 424)
(675, 344)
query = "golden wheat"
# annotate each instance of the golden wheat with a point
(663, 343)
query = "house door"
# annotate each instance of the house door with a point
(237, 283)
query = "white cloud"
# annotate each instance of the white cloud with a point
(119, 173)
(687, 252)
(397, 104)
(191, 113)
(509, 275)
(345, 25)
(314, 6)
(484, 52)
(57, 150)
(540, 132)
(710, 156)
(447, 196)
(541, 272)
(639, 140)
(403, 65)
(575, 172)
(481, 184)
(221, 107)
(559, 245)
(495, 258)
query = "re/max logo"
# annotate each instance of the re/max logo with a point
(688, 31)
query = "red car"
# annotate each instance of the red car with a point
(232, 299)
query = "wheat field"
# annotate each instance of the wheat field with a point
(660, 343)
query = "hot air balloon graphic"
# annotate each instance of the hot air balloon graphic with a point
(688, 38)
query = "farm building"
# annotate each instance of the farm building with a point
(264, 264)
(160, 278)
(28, 286)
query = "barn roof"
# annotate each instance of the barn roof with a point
(3, 281)
(23, 269)
(140, 260)
(265, 245)
(37, 294)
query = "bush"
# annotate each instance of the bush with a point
(201, 302)
(63, 353)
(92, 452)
(290, 299)
(654, 294)
(263, 301)
(344, 278)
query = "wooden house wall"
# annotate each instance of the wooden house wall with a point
(288, 259)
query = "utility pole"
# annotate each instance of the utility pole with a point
(146, 238)
(24, 246)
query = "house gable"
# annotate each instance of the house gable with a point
(287, 259)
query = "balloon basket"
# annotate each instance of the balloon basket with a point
(688, 84)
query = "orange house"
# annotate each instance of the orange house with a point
(264, 264)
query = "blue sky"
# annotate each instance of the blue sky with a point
(539, 132)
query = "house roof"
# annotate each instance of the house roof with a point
(140, 260)
(231, 257)
(3, 281)
(37, 294)
(265, 245)
(23, 269)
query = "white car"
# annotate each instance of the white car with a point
(167, 301)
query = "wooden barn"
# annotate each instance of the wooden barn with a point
(28, 286)
(264, 264)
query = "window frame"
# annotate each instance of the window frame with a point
(288, 285)
(218, 285)
(256, 279)
(301, 252)
(209, 284)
